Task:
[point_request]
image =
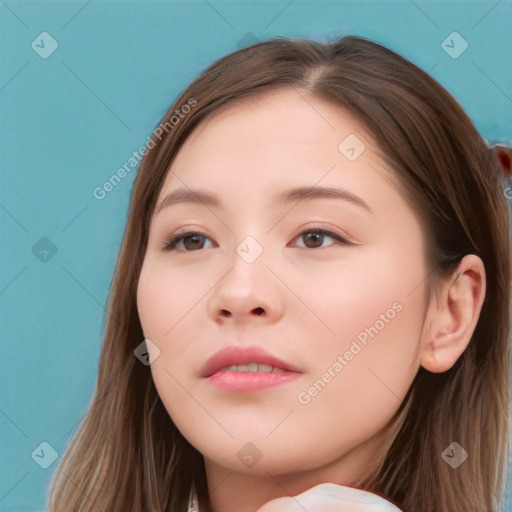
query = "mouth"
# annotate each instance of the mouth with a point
(239, 369)
(252, 368)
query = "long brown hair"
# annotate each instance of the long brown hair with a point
(127, 454)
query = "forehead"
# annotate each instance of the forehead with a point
(274, 133)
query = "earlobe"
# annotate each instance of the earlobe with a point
(453, 320)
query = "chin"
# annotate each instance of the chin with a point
(256, 459)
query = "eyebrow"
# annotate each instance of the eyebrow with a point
(188, 195)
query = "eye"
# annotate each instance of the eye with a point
(191, 240)
(318, 236)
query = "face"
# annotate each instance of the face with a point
(343, 307)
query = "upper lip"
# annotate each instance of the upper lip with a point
(239, 355)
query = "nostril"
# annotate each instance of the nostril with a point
(259, 311)
(226, 313)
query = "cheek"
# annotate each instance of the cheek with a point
(165, 309)
(351, 398)
(171, 306)
(376, 313)
(362, 292)
(153, 305)
(164, 298)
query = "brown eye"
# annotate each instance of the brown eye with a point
(314, 238)
(191, 241)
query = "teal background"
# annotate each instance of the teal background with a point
(70, 121)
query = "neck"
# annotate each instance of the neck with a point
(232, 491)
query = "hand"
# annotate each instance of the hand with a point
(330, 498)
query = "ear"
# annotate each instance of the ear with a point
(503, 157)
(454, 315)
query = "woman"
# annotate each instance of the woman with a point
(248, 364)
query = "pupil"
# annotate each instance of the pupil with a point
(316, 237)
(194, 238)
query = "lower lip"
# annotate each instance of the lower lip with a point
(250, 381)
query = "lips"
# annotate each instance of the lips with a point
(234, 355)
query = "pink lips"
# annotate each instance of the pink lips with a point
(246, 381)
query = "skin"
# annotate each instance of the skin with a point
(317, 296)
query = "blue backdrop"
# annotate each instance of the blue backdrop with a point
(82, 84)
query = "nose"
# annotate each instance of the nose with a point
(247, 292)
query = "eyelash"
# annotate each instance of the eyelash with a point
(171, 243)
